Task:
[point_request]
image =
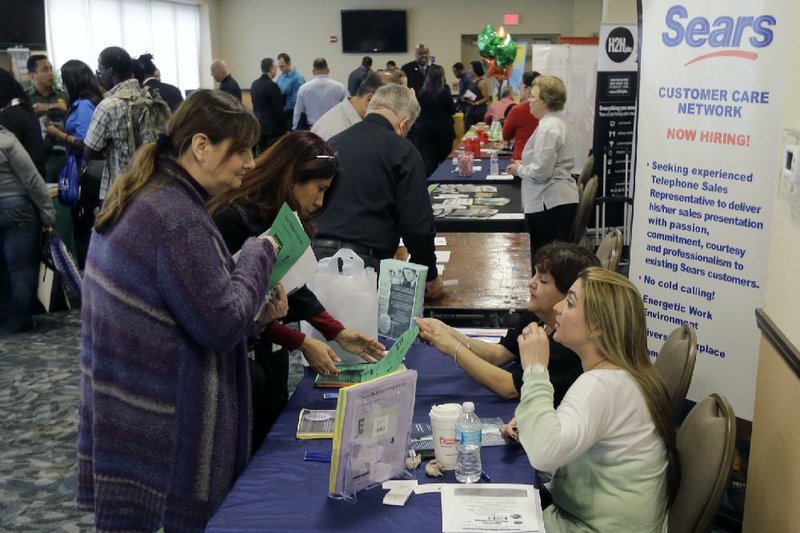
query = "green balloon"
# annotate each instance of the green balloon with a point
(487, 42)
(506, 51)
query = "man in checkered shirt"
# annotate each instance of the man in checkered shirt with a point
(107, 137)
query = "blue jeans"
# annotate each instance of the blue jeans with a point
(20, 231)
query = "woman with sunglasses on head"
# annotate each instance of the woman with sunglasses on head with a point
(557, 266)
(164, 426)
(301, 170)
(611, 441)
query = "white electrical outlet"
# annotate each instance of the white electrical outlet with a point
(789, 173)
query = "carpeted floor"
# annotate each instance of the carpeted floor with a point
(39, 392)
(39, 395)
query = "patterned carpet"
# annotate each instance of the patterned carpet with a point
(39, 395)
(39, 392)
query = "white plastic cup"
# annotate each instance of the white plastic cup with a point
(443, 428)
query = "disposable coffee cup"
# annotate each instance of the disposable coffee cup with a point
(443, 428)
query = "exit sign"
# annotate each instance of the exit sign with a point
(511, 19)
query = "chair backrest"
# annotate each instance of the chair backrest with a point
(675, 364)
(706, 448)
(610, 249)
(586, 171)
(584, 211)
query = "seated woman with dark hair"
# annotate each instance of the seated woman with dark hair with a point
(557, 266)
(301, 170)
(611, 441)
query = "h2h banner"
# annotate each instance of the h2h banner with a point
(708, 128)
(614, 114)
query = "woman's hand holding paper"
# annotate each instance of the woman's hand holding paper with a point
(437, 334)
(367, 348)
(277, 305)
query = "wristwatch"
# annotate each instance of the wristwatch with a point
(537, 368)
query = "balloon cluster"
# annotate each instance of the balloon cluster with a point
(498, 51)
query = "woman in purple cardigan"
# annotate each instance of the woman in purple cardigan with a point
(165, 402)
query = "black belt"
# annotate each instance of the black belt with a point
(357, 248)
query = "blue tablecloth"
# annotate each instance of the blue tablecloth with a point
(281, 492)
(446, 172)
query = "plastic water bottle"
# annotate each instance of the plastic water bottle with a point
(468, 441)
(494, 165)
(495, 131)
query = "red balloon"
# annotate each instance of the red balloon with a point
(493, 70)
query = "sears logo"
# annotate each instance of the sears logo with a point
(619, 44)
(723, 32)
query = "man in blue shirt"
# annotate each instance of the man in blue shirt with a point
(359, 75)
(289, 82)
(316, 97)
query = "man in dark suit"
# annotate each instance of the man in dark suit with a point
(169, 93)
(221, 75)
(268, 104)
(416, 70)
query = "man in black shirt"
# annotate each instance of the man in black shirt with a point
(169, 93)
(382, 192)
(221, 74)
(268, 104)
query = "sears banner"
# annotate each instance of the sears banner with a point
(708, 125)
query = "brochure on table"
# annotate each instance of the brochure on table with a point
(401, 293)
(315, 423)
(498, 507)
(371, 433)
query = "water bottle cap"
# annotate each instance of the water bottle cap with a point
(468, 406)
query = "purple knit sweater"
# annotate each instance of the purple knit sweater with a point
(165, 394)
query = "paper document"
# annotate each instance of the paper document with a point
(442, 256)
(440, 241)
(295, 245)
(500, 177)
(492, 507)
(295, 264)
(508, 216)
(469, 95)
(350, 374)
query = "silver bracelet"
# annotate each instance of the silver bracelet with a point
(455, 353)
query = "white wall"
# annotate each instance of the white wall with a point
(250, 30)
(783, 283)
(620, 11)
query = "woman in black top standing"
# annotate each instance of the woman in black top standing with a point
(17, 116)
(433, 132)
(476, 107)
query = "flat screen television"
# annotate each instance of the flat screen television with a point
(22, 24)
(374, 30)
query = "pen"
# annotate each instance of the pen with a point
(485, 476)
(319, 457)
